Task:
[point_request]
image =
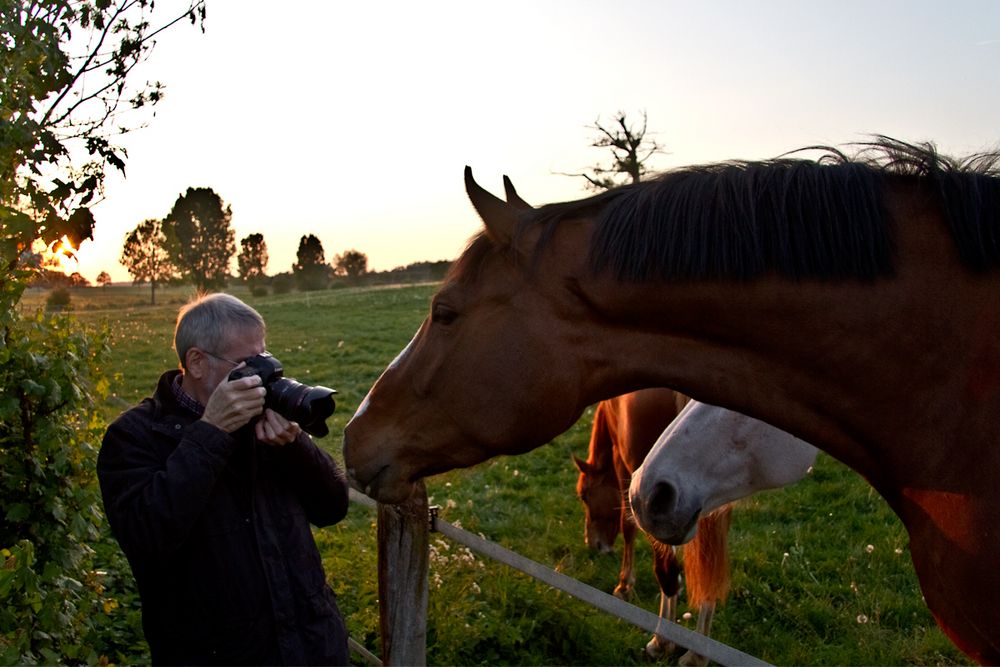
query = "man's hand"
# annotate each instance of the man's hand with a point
(273, 429)
(234, 404)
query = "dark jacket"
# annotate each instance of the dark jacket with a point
(216, 529)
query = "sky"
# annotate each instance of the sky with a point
(354, 120)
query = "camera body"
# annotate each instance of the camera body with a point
(297, 402)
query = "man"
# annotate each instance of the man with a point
(210, 497)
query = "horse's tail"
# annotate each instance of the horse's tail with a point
(706, 559)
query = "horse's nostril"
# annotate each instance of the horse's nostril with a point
(663, 498)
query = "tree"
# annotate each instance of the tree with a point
(145, 257)
(200, 241)
(351, 263)
(76, 279)
(252, 260)
(67, 94)
(310, 269)
(103, 278)
(630, 151)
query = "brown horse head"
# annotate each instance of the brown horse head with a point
(444, 404)
(603, 501)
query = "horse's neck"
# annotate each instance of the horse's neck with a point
(900, 379)
(643, 416)
(905, 391)
(741, 347)
(851, 367)
(953, 542)
(603, 435)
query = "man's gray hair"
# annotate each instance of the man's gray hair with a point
(209, 320)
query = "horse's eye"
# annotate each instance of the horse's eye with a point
(441, 314)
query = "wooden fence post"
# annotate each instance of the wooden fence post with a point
(402, 579)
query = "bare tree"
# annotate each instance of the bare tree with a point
(630, 149)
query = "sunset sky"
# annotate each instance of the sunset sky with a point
(353, 120)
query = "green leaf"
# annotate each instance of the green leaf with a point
(32, 388)
(6, 582)
(18, 512)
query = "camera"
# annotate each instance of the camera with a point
(297, 402)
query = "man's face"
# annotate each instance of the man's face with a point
(237, 348)
(207, 368)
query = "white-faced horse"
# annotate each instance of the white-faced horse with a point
(686, 475)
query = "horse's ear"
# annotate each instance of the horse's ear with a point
(582, 465)
(498, 216)
(512, 197)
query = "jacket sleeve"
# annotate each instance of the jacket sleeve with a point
(316, 480)
(153, 499)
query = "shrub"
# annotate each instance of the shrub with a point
(58, 299)
(58, 606)
(282, 283)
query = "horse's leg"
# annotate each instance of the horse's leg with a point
(706, 611)
(706, 564)
(667, 571)
(626, 578)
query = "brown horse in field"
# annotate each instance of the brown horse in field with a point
(624, 430)
(851, 301)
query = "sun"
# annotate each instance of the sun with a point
(59, 255)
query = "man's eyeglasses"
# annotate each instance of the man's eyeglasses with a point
(232, 363)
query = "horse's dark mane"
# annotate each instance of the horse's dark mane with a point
(799, 218)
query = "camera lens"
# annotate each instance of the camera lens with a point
(309, 406)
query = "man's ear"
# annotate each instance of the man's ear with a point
(195, 363)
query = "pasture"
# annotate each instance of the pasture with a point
(821, 571)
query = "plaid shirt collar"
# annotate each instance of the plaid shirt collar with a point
(185, 399)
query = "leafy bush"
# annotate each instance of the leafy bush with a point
(58, 299)
(282, 283)
(58, 605)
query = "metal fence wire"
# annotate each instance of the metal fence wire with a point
(712, 649)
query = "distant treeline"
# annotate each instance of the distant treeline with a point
(418, 272)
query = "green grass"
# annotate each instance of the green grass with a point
(821, 571)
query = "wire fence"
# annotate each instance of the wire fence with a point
(712, 649)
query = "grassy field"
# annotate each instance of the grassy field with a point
(821, 571)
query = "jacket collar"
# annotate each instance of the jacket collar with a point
(170, 416)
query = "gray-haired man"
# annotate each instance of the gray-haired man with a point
(211, 497)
